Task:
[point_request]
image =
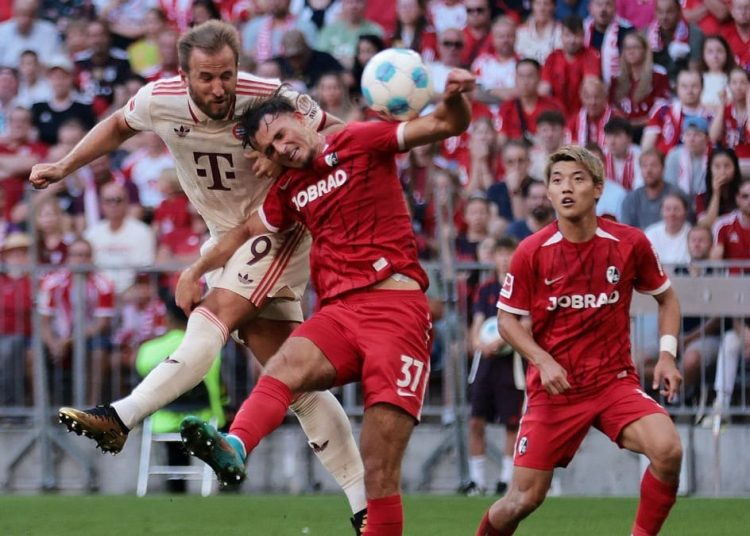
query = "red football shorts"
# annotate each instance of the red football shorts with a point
(381, 338)
(550, 433)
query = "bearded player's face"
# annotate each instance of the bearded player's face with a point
(212, 81)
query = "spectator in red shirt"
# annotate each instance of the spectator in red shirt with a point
(708, 15)
(18, 152)
(729, 125)
(53, 232)
(737, 32)
(173, 211)
(477, 31)
(413, 30)
(566, 68)
(588, 124)
(518, 116)
(15, 316)
(639, 85)
(56, 306)
(664, 128)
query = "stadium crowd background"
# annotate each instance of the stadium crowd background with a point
(658, 88)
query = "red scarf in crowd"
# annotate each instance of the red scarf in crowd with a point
(655, 41)
(627, 180)
(609, 52)
(583, 125)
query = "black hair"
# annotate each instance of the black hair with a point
(253, 116)
(529, 61)
(574, 23)
(729, 191)
(506, 242)
(526, 187)
(619, 125)
(551, 117)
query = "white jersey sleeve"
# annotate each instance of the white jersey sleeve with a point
(138, 109)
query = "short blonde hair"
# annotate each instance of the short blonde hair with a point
(576, 153)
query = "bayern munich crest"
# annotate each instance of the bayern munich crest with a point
(238, 131)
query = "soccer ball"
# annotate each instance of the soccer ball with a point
(396, 84)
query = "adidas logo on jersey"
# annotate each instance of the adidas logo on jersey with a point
(244, 278)
(182, 131)
(582, 301)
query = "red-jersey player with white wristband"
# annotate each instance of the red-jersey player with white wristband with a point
(575, 279)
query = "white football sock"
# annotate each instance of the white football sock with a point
(329, 434)
(204, 338)
(726, 368)
(506, 473)
(477, 465)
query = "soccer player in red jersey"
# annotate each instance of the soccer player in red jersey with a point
(575, 278)
(374, 321)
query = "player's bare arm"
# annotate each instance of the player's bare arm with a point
(104, 138)
(667, 377)
(189, 291)
(451, 117)
(553, 376)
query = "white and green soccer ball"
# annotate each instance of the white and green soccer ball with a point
(396, 84)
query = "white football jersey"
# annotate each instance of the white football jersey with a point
(208, 153)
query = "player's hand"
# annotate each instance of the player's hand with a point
(42, 175)
(554, 377)
(263, 167)
(459, 81)
(666, 376)
(189, 291)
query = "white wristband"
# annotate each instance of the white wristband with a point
(668, 343)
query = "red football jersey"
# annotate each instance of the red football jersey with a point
(511, 122)
(565, 76)
(578, 296)
(351, 201)
(634, 110)
(739, 46)
(730, 233)
(667, 120)
(736, 135)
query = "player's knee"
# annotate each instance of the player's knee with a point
(476, 427)
(666, 455)
(523, 503)
(382, 477)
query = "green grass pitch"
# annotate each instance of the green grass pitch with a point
(262, 515)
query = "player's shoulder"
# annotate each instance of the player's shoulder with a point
(544, 237)
(251, 87)
(725, 220)
(619, 232)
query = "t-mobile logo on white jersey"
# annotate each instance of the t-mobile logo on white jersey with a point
(582, 301)
(319, 189)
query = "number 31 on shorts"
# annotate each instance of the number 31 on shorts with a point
(411, 374)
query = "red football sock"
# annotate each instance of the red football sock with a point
(385, 517)
(657, 498)
(261, 412)
(485, 529)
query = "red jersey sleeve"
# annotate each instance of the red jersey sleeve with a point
(275, 212)
(381, 136)
(105, 298)
(649, 274)
(515, 295)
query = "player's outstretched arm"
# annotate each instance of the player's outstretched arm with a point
(189, 290)
(104, 138)
(667, 377)
(451, 117)
(554, 377)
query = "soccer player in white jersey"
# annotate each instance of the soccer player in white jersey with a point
(257, 291)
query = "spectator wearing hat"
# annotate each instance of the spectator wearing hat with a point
(300, 62)
(64, 104)
(642, 206)
(24, 31)
(15, 316)
(686, 164)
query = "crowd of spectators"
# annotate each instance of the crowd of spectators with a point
(658, 88)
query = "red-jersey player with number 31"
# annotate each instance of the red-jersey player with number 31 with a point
(575, 278)
(374, 320)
